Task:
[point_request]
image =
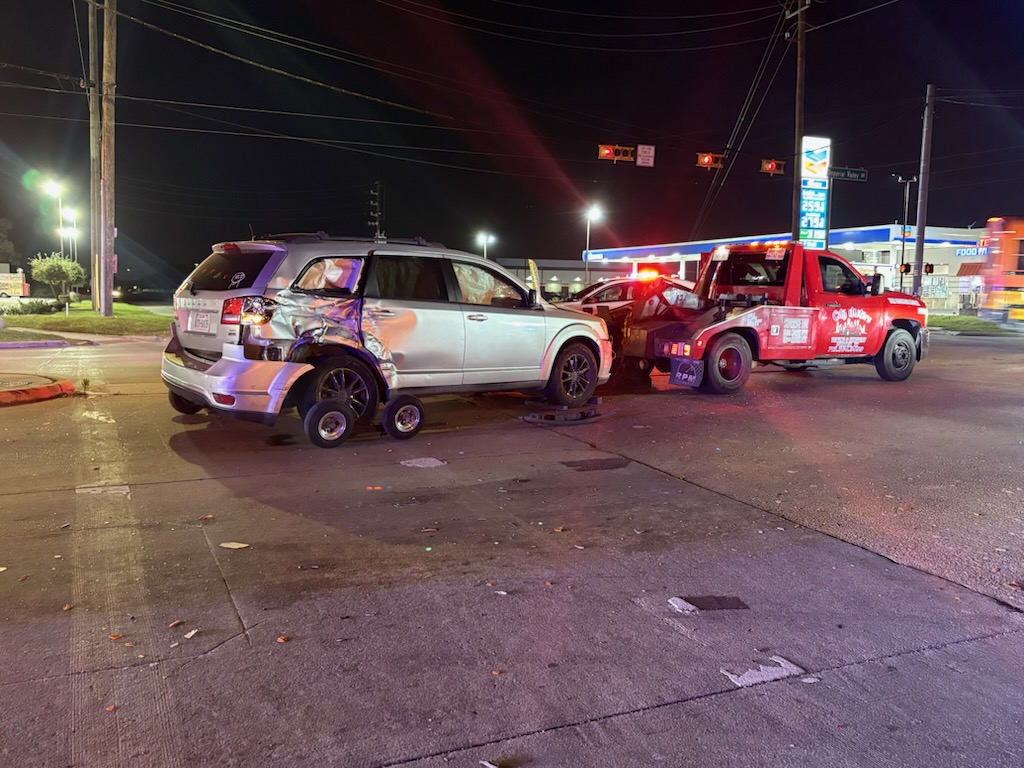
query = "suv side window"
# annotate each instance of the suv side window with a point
(836, 277)
(414, 278)
(338, 275)
(481, 286)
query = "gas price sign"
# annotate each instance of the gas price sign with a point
(814, 188)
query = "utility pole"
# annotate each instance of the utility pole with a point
(94, 159)
(798, 132)
(377, 211)
(922, 188)
(107, 255)
(903, 225)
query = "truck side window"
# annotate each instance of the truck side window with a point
(836, 277)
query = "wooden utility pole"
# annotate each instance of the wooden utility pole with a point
(107, 256)
(94, 158)
(922, 187)
(798, 132)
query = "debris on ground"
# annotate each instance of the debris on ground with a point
(233, 545)
(282, 638)
(206, 517)
(175, 623)
(191, 633)
(115, 637)
(67, 607)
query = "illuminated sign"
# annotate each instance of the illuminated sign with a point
(980, 251)
(814, 186)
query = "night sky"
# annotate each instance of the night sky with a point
(486, 115)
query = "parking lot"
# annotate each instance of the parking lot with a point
(822, 570)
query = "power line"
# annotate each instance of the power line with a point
(275, 70)
(580, 47)
(548, 31)
(635, 17)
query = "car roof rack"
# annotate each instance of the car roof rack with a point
(312, 237)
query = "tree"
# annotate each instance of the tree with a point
(57, 272)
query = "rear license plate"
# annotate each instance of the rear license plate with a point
(686, 372)
(199, 322)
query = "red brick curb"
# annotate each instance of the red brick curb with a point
(34, 394)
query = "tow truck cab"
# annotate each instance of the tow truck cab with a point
(783, 304)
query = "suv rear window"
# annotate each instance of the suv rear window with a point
(224, 271)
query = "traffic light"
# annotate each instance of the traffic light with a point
(929, 268)
(709, 160)
(905, 269)
(773, 167)
(615, 153)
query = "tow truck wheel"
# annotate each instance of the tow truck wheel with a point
(896, 360)
(403, 417)
(181, 405)
(573, 377)
(329, 423)
(727, 364)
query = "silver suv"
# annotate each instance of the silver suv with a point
(337, 326)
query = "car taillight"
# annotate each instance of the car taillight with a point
(247, 310)
(232, 312)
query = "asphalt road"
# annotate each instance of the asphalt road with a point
(493, 590)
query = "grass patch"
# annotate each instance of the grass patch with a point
(965, 324)
(8, 335)
(128, 320)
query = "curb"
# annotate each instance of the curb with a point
(33, 344)
(35, 394)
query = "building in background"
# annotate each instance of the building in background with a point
(954, 257)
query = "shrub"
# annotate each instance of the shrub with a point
(29, 307)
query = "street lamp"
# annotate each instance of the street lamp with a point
(70, 215)
(594, 213)
(906, 212)
(54, 189)
(485, 239)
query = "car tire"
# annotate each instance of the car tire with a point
(898, 356)
(573, 376)
(727, 364)
(181, 405)
(329, 423)
(403, 417)
(344, 378)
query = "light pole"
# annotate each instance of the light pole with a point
(54, 189)
(594, 213)
(70, 215)
(906, 212)
(485, 239)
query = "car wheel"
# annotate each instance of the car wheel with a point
(898, 356)
(343, 378)
(329, 423)
(403, 417)
(573, 377)
(727, 364)
(181, 405)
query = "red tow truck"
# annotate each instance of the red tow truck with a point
(780, 304)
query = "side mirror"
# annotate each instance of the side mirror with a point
(876, 284)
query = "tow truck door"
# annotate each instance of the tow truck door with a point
(849, 321)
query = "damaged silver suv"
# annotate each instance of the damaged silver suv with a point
(338, 326)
